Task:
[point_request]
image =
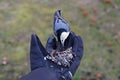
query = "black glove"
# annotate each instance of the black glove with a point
(37, 53)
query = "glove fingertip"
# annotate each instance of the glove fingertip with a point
(51, 39)
(73, 34)
(51, 43)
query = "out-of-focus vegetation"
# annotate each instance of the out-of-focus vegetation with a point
(97, 21)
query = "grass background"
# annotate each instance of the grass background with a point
(96, 21)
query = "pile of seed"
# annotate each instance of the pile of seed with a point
(63, 58)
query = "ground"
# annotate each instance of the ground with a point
(96, 21)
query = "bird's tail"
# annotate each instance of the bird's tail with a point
(57, 13)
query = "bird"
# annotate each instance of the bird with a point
(61, 27)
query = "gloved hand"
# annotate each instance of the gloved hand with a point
(77, 48)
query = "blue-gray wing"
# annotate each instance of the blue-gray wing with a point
(59, 22)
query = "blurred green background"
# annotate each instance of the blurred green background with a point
(97, 21)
